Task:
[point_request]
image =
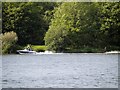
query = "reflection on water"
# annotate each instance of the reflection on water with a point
(60, 71)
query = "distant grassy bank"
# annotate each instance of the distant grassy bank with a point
(39, 48)
(42, 48)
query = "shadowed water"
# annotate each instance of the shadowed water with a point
(60, 71)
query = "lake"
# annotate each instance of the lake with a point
(68, 70)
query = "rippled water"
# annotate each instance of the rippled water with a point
(0, 72)
(60, 71)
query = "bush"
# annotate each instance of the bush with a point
(15, 47)
(39, 48)
(8, 41)
(113, 48)
(85, 50)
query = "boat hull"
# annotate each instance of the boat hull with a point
(26, 52)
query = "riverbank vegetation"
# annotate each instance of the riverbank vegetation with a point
(63, 26)
(8, 41)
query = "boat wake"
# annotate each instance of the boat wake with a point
(26, 51)
(113, 52)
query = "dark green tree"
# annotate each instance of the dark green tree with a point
(74, 26)
(80, 25)
(28, 20)
(110, 23)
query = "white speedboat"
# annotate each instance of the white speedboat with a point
(25, 51)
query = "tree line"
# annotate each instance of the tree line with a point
(65, 26)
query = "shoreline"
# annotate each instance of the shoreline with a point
(106, 53)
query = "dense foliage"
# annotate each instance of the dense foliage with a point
(81, 25)
(110, 23)
(0, 17)
(64, 27)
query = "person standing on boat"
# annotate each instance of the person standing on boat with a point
(29, 47)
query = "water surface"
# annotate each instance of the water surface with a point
(60, 71)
